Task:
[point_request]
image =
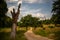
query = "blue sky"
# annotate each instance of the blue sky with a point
(37, 8)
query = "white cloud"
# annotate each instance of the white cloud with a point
(36, 1)
(23, 8)
(19, 1)
(11, 8)
(35, 10)
(31, 11)
(26, 10)
(38, 15)
(9, 11)
(30, 1)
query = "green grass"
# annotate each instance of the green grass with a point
(19, 35)
(40, 32)
(50, 32)
(43, 32)
(4, 35)
(57, 35)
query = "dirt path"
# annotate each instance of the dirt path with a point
(31, 36)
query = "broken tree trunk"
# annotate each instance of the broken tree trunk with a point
(14, 20)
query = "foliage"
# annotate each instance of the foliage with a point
(40, 32)
(29, 21)
(51, 26)
(6, 35)
(5, 21)
(8, 22)
(57, 35)
(20, 35)
(56, 11)
(3, 8)
(47, 21)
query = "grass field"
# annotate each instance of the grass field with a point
(5, 34)
(47, 32)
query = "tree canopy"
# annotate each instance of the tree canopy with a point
(3, 7)
(56, 12)
(29, 21)
(4, 20)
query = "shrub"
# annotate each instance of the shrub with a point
(40, 32)
(57, 35)
(51, 26)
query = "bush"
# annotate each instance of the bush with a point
(57, 35)
(40, 32)
(51, 26)
(57, 25)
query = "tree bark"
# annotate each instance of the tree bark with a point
(13, 31)
(14, 20)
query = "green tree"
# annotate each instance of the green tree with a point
(56, 17)
(56, 12)
(47, 21)
(3, 10)
(8, 22)
(29, 21)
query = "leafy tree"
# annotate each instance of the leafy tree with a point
(8, 22)
(29, 21)
(3, 10)
(56, 11)
(3, 7)
(56, 17)
(47, 21)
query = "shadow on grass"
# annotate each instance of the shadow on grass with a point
(19, 35)
(40, 32)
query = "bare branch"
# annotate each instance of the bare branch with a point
(13, 10)
(19, 6)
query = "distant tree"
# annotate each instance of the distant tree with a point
(3, 11)
(30, 21)
(56, 12)
(47, 21)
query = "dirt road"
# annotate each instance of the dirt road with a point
(31, 36)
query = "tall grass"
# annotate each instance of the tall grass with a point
(4, 35)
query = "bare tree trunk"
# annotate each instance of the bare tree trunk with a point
(14, 25)
(13, 31)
